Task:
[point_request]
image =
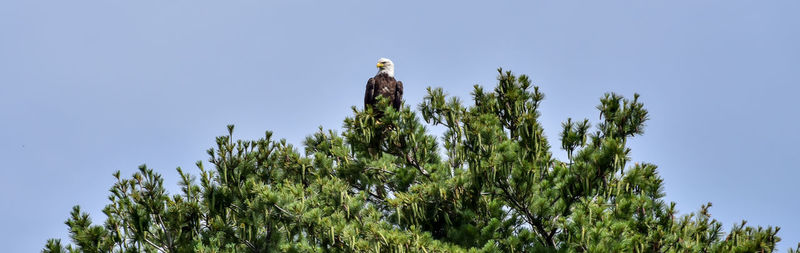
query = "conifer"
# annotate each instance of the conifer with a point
(490, 183)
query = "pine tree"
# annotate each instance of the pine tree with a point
(489, 184)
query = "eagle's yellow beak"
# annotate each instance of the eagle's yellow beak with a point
(380, 65)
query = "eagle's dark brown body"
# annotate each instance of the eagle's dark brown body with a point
(386, 86)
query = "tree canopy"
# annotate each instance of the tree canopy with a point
(490, 183)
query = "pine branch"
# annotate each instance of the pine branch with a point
(154, 245)
(530, 218)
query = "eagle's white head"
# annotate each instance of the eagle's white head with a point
(386, 66)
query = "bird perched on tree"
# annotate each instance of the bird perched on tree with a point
(383, 84)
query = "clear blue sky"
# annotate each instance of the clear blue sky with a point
(91, 87)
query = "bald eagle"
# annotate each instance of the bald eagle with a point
(383, 84)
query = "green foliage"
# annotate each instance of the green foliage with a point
(385, 184)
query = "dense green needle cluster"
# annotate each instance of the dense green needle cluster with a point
(489, 184)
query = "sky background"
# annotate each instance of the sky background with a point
(91, 87)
